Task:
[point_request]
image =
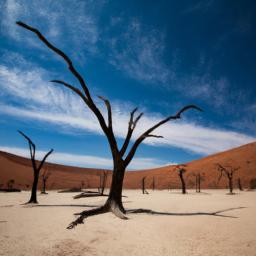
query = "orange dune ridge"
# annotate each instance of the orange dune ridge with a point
(19, 169)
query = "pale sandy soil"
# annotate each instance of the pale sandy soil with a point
(41, 231)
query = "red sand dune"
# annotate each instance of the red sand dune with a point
(19, 169)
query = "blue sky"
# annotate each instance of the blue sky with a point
(158, 57)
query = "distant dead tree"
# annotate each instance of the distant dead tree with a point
(144, 191)
(103, 181)
(198, 179)
(121, 156)
(45, 176)
(181, 170)
(229, 172)
(239, 183)
(82, 184)
(36, 167)
(10, 183)
(153, 183)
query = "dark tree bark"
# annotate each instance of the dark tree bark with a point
(228, 171)
(181, 170)
(144, 191)
(183, 184)
(36, 167)
(121, 157)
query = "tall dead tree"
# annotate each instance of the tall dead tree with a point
(229, 172)
(36, 167)
(45, 176)
(121, 156)
(181, 170)
(143, 186)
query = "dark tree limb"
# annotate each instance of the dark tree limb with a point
(146, 133)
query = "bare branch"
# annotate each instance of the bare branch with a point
(90, 103)
(71, 87)
(131, 126)
(107, 103)
(61, 54)
(32, 148)
(154, 136)
(144, 135)
(42, 162)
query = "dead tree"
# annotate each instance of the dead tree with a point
(181, 170)
(36, 167)
(10, 183)
(144, 191)
(153, 184)
(239, 183)
(121, 156)
(45, 176)
(103, 181)
(198, 178)
(229, 172)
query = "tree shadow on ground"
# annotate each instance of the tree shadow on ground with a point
(217, 213)
(61, 205)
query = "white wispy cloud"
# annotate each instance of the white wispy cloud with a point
(51, 104)
(85, 160)
(138, 52)
(60, 20)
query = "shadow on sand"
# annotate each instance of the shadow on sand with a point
(217, 213)
(59, 205)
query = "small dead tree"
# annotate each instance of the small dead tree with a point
(239, 183)
(103, 181)
(198, 179)
(143, 187)
(153, 184)
(36, 167)
(121, 156)
(10, 183)
(45, 176)
(181, 170)
(229, 172)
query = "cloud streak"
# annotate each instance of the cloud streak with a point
(46, 103)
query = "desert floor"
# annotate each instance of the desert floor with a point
(189, 227)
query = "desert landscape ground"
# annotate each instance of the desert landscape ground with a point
(209, 223)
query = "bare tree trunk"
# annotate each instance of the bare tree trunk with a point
(199, 183)
(33, 197)
(183, 185)
(196, 183)
(230, 184)
(115, 194)
(240, 184)
(153, 184)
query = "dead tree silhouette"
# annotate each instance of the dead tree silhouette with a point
(10, 183)
(239, 183)
(45, 176)
(199, 178)
(121, 156)
(103, 181)
(35, 166)
(153, 183)
(181, 170)
(229, 172)
(144, 191)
